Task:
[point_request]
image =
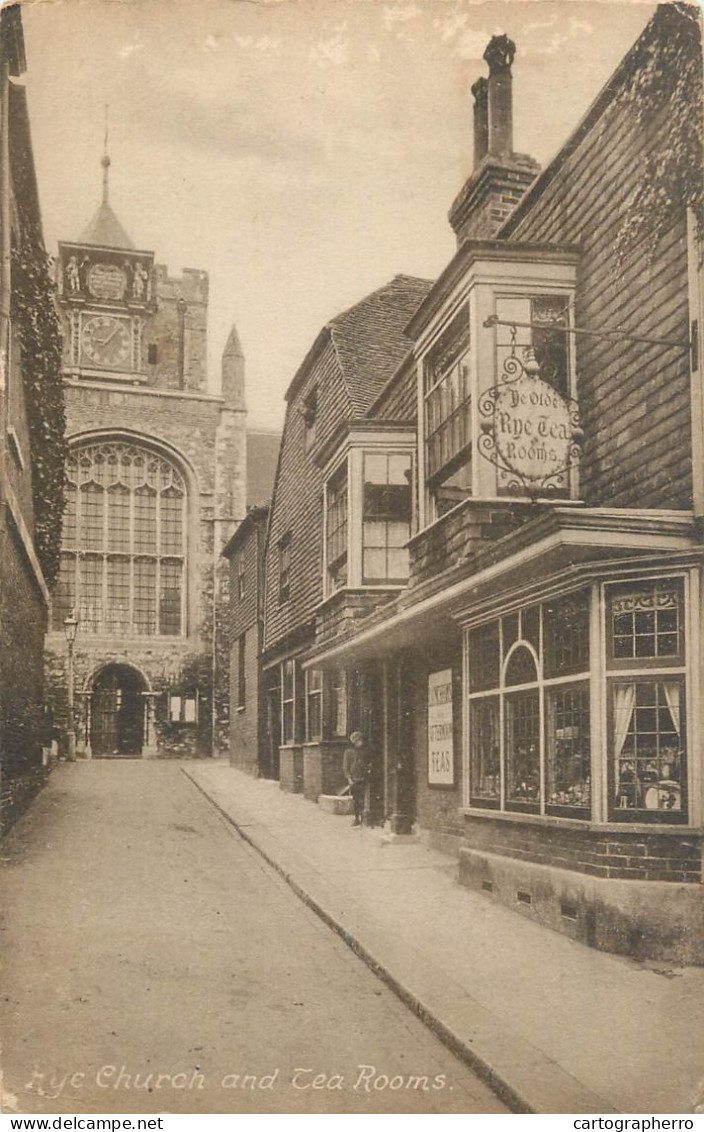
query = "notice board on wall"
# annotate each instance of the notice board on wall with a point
(441, 761)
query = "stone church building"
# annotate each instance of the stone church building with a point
(155, 486)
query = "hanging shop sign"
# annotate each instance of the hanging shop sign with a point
(441, 761)
(528, 431)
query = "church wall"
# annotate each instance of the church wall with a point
(189, 427)
(135, 370)
(162, 330)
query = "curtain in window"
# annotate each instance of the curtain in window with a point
(672, 694)
(624, 702)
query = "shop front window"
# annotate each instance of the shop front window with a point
(647, 730)
(288, 702)
(314, 704)
(649, 747)
(486, 748)
(523, 750)
(569, 748)
(521, 670)
(339, 702)
(646, 622)
(532, 718)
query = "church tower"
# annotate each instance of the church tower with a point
(155, 485)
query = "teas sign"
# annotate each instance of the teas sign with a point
(441, 764)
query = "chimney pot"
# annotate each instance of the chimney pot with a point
(499, 54)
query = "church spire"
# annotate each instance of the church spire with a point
(105, 159)
(105, 229)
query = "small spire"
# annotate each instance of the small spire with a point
(105, 160)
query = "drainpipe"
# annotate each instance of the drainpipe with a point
(181, 311)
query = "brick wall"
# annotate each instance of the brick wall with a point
(622, 854)
(490, 195)
(339, 617)
(437, 807)
(245, 722)
(23, 729)
(461, 532)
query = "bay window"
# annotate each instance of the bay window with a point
(647, 733)
(537, 699)
(368, 505)
(448, 417)
(529, 718)
(504, 317)
(336, 528)
(539, 322)
(386, 523)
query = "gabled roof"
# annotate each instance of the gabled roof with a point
(105, 230)
(256, 516)
(262, 456)
(368, 340)
(369, 337)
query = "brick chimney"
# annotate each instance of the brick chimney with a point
(500, 176)
(480, 90)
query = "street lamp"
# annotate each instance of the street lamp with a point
(70, 629)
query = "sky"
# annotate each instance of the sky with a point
(302, 152)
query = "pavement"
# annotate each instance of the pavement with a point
(152, 961)
(551, 1025)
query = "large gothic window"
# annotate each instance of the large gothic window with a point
(124, 545)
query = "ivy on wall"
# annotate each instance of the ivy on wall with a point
(35, 318)
(665, 91)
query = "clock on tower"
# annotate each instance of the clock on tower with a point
(105, 287)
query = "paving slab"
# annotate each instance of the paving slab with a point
(554, 1026)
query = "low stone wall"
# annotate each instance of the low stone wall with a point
(17, 792)
(640, 919)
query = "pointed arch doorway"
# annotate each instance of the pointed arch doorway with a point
(117, 711)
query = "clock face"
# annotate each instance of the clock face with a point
(105, 341)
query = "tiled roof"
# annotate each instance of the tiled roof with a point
(262, 457)
(369, 338)
(105, 230)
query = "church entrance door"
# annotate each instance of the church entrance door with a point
(117, 713)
